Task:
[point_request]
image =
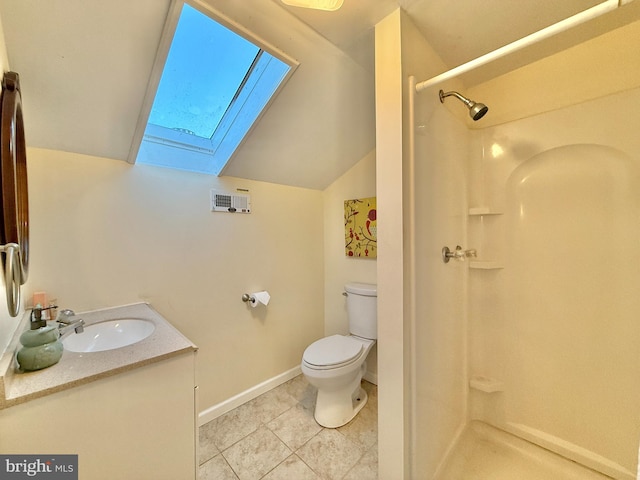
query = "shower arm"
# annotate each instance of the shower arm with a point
(465, 100)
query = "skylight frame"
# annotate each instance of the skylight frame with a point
(197, 151)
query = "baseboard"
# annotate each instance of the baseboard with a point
(371, 377)
(215, 411)
(221, 408)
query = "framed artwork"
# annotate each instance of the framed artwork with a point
(360, 228)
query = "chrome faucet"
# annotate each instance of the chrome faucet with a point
(458, 253)
(67, 321)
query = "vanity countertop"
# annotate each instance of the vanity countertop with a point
(75, 369)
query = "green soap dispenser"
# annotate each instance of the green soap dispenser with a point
(41, 344)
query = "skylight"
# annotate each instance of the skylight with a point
(214, 85)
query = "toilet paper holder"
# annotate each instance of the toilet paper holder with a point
(257, 298)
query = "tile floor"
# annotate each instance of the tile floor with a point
(274, 437)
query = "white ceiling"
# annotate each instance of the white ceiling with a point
(85, 64)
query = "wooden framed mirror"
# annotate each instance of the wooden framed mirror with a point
(14, 201)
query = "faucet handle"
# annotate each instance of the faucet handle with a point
(40, 308)
(458, 253)
(35, 318)
(64, 314)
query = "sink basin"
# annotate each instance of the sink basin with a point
(109, 335)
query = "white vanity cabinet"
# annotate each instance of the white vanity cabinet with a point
(137, 424)
(128, 413)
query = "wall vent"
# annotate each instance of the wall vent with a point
(230, 202)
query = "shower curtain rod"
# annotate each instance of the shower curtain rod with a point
(535, 37)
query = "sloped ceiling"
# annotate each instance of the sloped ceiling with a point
(85, 64)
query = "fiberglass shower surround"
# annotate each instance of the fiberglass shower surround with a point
(552, 315)
(559, 358)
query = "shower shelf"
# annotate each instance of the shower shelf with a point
(485, 265)
(480, 211)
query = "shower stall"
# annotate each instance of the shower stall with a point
(523, 360)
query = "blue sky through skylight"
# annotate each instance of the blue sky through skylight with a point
(205, 68)
(215, 84)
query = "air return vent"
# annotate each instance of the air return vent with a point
(230, 202)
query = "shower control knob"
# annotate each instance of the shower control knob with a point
(458, 253)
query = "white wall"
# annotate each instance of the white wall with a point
(4, 59)
(107, 233)
(393, 418)
(358, 182)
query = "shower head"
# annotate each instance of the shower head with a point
(476, 110)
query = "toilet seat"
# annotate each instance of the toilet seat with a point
(332, 352)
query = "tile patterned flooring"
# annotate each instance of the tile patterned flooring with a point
(274, 437)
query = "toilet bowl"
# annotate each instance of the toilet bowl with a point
(335, 365)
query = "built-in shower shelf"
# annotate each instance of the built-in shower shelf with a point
(485, 384)
(485, 265)
(479, 211)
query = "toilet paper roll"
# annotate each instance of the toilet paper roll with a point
(259, 298)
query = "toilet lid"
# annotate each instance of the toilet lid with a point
(331, 351)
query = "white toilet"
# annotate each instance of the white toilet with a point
(335, 364)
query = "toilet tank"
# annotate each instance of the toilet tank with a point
(362, 309)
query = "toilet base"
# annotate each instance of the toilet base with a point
(335, 409)
(340, 396)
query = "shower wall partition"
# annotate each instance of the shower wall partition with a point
(439, 338)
